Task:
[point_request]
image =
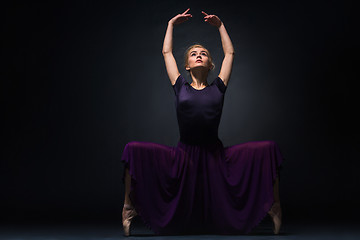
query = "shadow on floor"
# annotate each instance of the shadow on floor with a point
(113, 230)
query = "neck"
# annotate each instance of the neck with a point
(199, 78)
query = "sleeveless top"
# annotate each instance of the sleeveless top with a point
(199, 111)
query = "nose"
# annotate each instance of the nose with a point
(198, 56)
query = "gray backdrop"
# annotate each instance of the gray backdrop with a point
(83, 78)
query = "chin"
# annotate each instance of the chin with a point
(200, 67)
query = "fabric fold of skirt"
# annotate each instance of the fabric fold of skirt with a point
(191, 189)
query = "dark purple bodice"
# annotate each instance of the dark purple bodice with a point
(199, 111)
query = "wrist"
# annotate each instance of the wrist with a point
(221, 25)
(171, 23)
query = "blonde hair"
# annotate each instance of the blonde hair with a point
(186, 55)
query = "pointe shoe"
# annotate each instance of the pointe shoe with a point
(275, 214)
(128, 214)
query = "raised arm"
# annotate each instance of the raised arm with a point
(228, 48)
(170, 63)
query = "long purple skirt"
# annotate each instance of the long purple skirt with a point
(191, 189)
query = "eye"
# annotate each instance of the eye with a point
(192, 54)
(204, 54)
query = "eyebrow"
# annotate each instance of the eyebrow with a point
(196, 52)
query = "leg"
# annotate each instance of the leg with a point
(128, 212)
(263, 158)
(275, 211)
(127, 188)
(143, 162)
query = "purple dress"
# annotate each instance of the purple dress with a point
(199, 186)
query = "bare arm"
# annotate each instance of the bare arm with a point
(228, 48)
(170, 63)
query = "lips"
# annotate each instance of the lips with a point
(199, 61)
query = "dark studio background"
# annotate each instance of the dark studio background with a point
(80, 79)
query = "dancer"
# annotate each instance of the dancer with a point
(200, 186)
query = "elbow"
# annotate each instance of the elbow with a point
(230, 52)
(166, 51)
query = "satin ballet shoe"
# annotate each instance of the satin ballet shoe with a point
(275, 214)
(128, 214)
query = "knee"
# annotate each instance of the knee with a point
(133, 145)
(136, 146)
(261, 145)
(267, 144)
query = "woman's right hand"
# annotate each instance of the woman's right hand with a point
(180, 18)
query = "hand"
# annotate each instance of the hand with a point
(180, 18)
(212, 19)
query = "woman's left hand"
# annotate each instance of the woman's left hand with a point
(212, 19)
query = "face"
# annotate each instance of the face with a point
(198, 57)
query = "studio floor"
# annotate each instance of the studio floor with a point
(113, 230)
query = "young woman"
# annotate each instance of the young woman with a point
(200, 186)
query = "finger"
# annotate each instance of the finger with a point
(187, 15)
(186, 11)
(204, 13)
